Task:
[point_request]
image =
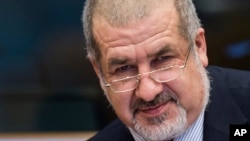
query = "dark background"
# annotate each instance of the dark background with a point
(46, 82)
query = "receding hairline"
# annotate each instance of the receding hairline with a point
(131, 11)
(188, 21)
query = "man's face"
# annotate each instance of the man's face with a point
(141, 47)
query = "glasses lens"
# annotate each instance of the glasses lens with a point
(161, 75)
(125, 84)
(166, 74)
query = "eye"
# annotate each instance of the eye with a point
(126, 70)
(161, 61)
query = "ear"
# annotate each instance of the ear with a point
(201, 47)
(97, 70)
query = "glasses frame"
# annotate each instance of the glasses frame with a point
(181, 67)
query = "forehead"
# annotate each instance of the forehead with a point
(163, 20)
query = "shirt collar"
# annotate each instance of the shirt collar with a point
(194, 132)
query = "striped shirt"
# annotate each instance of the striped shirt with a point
(193, 133)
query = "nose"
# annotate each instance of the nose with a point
(148, 88)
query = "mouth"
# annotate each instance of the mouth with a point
(155, 110)
(152, 111)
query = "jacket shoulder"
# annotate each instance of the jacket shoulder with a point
(237, 82)
(234, 78)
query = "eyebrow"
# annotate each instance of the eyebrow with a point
(161, 51)
(115, 61)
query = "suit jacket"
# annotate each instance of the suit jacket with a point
(229, 104)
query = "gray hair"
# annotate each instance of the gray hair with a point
(121, 12)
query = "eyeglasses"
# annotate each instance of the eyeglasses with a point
(161, 75)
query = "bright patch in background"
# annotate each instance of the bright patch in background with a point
(238, 50)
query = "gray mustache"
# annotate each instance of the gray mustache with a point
(159, 99)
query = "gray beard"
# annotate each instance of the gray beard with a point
(160, 128)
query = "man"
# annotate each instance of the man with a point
(150, 57)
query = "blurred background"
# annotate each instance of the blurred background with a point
(46, 82)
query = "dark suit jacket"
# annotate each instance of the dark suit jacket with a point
(229, 104)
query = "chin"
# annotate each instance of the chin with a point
(161, 127)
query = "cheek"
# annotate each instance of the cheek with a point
(189, 90)
(121, 105)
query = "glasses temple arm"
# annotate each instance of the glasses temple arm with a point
(189, 50)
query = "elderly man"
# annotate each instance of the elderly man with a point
(150, 57)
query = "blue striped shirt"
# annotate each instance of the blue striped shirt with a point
(193, 133)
